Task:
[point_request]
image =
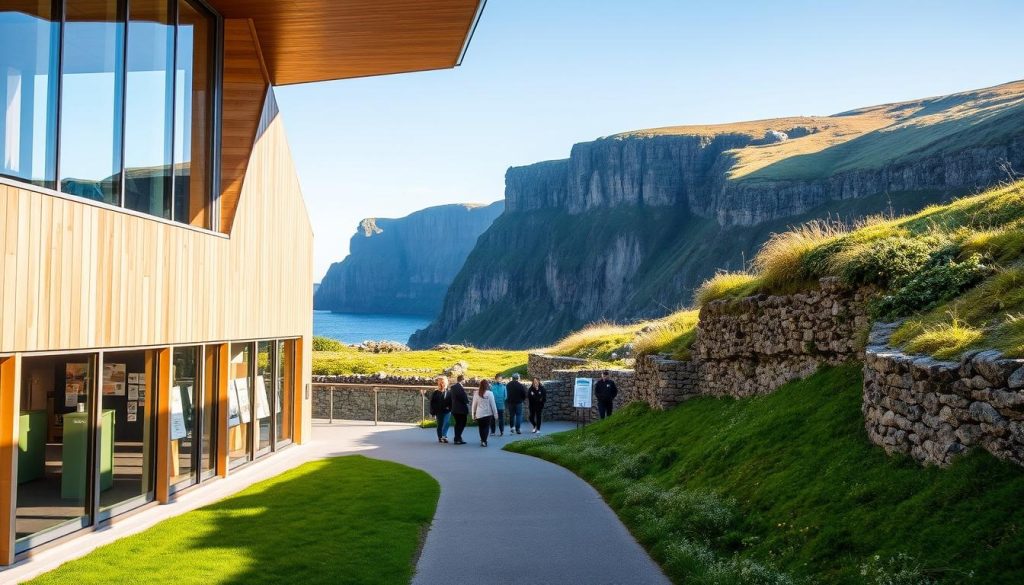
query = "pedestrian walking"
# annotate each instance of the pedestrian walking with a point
(605, 390)
(458, 402)
(500, 397)
(439, 408)
(484, 410)
(516, 396)
(537, 396)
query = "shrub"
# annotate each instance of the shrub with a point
(321, 343)
(882, 262)
(726, 285)
(937, 283)
(782, 261)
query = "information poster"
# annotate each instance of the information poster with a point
(133, 392)
(133, 411)
(582, 392)
(115, 378)
(244, 406)
(74, 382)
(178, 428)
(262, 403)
(233, 417)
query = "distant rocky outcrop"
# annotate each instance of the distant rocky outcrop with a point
(629, 225)
(404, 265)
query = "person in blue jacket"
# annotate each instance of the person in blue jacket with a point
(500, 395)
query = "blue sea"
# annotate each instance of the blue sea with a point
(353, 328)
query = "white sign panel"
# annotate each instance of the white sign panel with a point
(242, 389)
(233, 415)
(178, 428)
(262, 404)
(582, 391)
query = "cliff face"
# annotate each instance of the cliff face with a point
(629, 225)
(404, 266)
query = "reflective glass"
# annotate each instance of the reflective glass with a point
(92, 100)
(239, 413)
(185, 410)
(285, 383)
(193, 103)
(28, 91)
(149, 87)
(265, 362)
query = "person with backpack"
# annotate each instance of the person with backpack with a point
(484, 410)
(458, 403)
(516, 397)
(500, 396)
(537, 396)
(605, 390)
(439, 408)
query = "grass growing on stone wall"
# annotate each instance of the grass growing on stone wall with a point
(431, 362)
(605, 343)
(786, 488)
(343, 520)
(956, 266)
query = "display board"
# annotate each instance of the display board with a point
(262, 402)
(582, 392)
(179, 430)
(244, 406)
(234, 418)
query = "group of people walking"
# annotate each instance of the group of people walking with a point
(488, 406)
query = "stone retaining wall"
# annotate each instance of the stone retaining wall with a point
(398, 398)
(543, 365)
(560, 394)
(754, 345)
(663, 383)
(936, 410)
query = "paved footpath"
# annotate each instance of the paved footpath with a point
(505, 518)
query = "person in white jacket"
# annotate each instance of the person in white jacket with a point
(484, 410)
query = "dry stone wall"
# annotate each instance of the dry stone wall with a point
(560, 392)
(399, 398)
(663, 383)
(543, 365)
(756, 344)
(937, 410)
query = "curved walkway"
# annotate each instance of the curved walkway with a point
(504, 518)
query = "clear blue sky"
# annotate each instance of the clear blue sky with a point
(541, 75)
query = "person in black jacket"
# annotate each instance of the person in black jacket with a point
(516, 397)
(439, 408)
(458, 402)
(605, 390)
(537, 396)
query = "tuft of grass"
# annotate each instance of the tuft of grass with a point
(431, 362)
(726, 285)
(597, 341)
(1002, 245)
(673, 335)
(945, 340)
(781, 263)
(288, 529)
(786, 488)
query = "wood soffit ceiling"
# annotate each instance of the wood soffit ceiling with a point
(319, 40)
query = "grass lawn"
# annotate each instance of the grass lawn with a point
(482, 362)
(343, 520)
(786, 488)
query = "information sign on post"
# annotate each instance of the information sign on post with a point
(582, 392)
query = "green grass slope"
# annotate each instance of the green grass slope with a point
(786, 488)
(344, 520)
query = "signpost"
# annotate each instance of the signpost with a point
(582, 398)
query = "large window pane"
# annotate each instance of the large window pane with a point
(28, 90)
(127, 393)
(265, 362)
(239, 413)
(193, 114)
(185, 414)
(147, 131)
(53, 446)
(284, 391)
(92, 101)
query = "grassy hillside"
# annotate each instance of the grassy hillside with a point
(608, 342)
(872, 137)
(344, 360)
(786, 488)
(956, 270)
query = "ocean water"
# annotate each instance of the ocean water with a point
(353, 328)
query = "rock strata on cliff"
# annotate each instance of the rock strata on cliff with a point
(404, 266)
(629, 225)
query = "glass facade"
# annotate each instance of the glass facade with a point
(89, 436)
(28, 92)
(117, 108)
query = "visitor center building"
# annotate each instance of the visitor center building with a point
(156, 252)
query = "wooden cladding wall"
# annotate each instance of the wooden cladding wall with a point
(77, 275)
(244, 90)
